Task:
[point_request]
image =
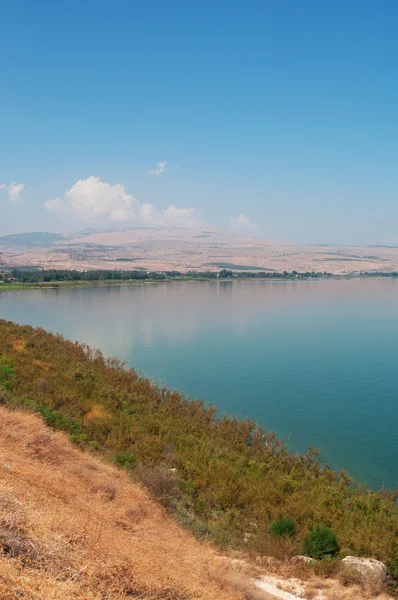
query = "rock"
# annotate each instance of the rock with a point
(369, 568)
(239, 564)
(284, 589)
(303, 559)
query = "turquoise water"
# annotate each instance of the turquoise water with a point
(314, 361)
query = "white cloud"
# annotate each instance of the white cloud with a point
(55, 204)
(242, 222)
(14, 191)
(93, 200)
(160, 168)
(169, 217)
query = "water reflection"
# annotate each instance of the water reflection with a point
(313, 360)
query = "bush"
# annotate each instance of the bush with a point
(57, 420)
(7, 373)
(320, 542)
(392, 579)
(5, 395)
(78, 438)
(125, 459)
(282, 528)
(160, 482)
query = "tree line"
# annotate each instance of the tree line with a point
(68, 275)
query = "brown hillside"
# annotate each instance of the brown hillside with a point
(72, 526)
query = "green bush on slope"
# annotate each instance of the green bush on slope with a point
(7, 373)
(282, 527)
(320, 542)
(125, 459)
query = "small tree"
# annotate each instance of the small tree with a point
(225, 273)
(320, 542)
(282, 528)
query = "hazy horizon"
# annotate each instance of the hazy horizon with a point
(271, 119)
(69, 234)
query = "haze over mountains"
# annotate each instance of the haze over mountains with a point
(184, 250)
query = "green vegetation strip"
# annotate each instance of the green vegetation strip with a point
(21, 279)
(228, 480)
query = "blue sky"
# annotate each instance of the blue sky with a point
(278, 118)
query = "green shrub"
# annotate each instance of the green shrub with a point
(94, 446)
(282, 528)
(125, 459)
(76, 437)
(320, 542)
(57, 420)
(5, 395)
(7, 373)
(392, 580)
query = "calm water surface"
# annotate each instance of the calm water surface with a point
(316, 362)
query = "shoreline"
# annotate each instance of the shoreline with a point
(254, 460)
(20, 286)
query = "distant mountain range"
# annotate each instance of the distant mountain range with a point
(31, 240)
(177, 249)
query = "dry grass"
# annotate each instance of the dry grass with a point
(349, 576)
(41, 364)
(330, 580)
(98, 412)
(19, 344)
(74, 527)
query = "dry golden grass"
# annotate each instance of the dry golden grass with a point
(73, 527)
(321, 581)
(98, 412)
(19, 344)
(39, 363)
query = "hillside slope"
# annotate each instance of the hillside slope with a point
(224, 479)
(75, 526)
(31, 240)
(72, 526)
(170, 249)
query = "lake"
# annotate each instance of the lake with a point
(314, 361)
